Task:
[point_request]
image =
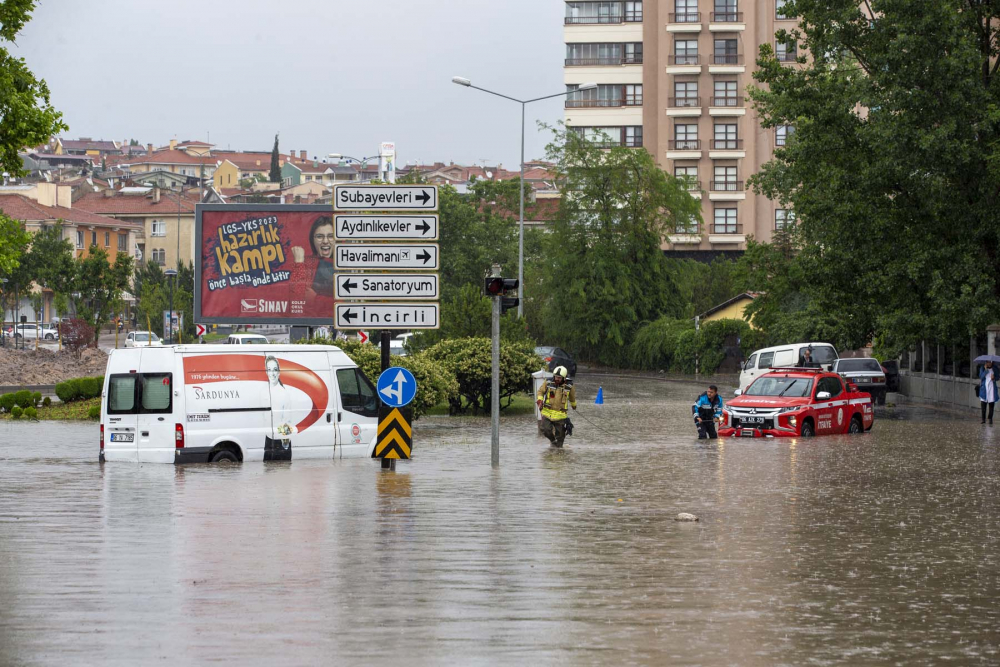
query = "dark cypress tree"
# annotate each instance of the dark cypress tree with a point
(275, 175)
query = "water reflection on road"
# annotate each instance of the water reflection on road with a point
(845, 550)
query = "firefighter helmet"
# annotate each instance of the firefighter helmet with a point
(560, 371)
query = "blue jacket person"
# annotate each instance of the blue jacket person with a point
(707, 409)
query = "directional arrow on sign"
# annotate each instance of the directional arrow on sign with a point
(424, 256)
(363, 336)
(423, 197)
(199, 330)
(396, 388)
(424, 227)
(348, 285)
(395, 436)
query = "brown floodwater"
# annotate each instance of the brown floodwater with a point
(848, 550)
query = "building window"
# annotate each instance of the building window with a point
(687, 226)
(107, 239)
(633, 95)
(633, 53)
(779, 9)
(633, 11)
(686, 137)
(689, 175)
(725, 11)
(686, 94)
(725, 94)
(595, 54)
(159, 228)
(93, 238)
(781, 134)
(633, 136)
(786, 52)
(726, 52)
(123, 242)
(784, 218)
(593, 12)
(686, 52)
(686, 11)
(725, 180)
(158, 256)
(725, 137)
(605, 95)
(725, 221)
(79, 240)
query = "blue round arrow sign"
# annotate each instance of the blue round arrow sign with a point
(396, 387)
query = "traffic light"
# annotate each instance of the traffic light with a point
(493, 286)
(507, 302)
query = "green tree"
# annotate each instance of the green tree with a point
(275, 173)
(98, 286)
(606, 274)
(26, 115)
(13, 242)
(893, 168)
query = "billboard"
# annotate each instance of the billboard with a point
(264, 263)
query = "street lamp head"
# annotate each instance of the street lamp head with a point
(335, 156)
(170, 273)
(587, 86)
(461, 80)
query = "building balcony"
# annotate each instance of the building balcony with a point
(786, 57)
(726, 22)
(630, 101)
(595, 20)
(685, 236)
(686, 60)
(684, 106)
(726, 106)
(684, 144)
(684, 22)
(727, 144)
(726, 63)
(727, 101)
(723, 234)
(726, 186)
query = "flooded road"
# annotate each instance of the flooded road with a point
(847, 550)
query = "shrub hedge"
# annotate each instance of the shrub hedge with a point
(79, 389)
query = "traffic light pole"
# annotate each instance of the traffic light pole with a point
(495, 386)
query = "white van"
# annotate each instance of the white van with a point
(209, 403)
(783, 356)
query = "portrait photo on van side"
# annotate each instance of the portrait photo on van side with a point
(261, 263)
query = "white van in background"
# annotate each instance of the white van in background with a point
(209, 403)
(783, 356)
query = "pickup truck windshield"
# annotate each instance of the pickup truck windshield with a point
(780, 386)
(854, 365)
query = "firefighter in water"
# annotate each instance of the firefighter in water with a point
(707, 410)
(554, 400)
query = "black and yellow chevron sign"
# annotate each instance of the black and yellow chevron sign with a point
(395, 438)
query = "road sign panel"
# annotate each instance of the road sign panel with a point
(396, 387)
(385, 227)
(385, 198)
(386, 315)
(367, 286)
(199, 330)
(386, 256)
(395, 437)
(363, 336)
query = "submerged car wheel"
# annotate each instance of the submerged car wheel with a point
(856, 425)
(224, 455)
(807, 430)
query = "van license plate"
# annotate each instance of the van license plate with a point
(123, 437)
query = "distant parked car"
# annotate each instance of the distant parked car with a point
(49, 332)
(142, 339)
(866, 374)
(247, 339)
(556, 356)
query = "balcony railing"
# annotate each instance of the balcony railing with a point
(724, 228)
(727, 144)
(684, 144)
(687, 229)
(727, 58)
(726, 186)
(690, 186)
(629, 101)
(685, 17)
(594, 20)
(685, 102)
(727, 17)
(787, 56)
(727, 101)
(591, 62)
(688, 59)
(632, 60)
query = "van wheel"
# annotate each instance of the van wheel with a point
(856, 425)
(807, 430)
(224, 455)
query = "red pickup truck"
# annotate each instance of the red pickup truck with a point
(797, 402)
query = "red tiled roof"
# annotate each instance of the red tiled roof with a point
(311, 167)
(20, 207)
(247, 161)
(167, 157)
(190, 142)
(118, 204)
(76, 144)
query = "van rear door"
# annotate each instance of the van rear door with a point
(121, 415)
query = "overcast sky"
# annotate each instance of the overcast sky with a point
(329, 75)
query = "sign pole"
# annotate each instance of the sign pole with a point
(495, 385)
(387, 464)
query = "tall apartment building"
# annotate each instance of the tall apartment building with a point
(672, 76)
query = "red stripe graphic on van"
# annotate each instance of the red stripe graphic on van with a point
(250, 368)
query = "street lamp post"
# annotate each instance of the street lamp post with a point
(462, 81)
(170, 273)
(363, 161)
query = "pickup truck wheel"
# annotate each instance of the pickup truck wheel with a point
(49, 337)
(856, 425)
(224, 455)
(807, 430)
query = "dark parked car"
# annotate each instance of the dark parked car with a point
(556, 356)
(891, 374)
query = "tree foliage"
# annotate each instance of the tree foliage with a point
(27, 118)
(605, 271)
(98, 286)
(275, 171)
(893, 168)
(471, 362)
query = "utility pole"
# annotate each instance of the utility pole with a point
(500, 290)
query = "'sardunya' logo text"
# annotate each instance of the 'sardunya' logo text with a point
(212, 395)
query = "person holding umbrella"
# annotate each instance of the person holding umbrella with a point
(987, 385)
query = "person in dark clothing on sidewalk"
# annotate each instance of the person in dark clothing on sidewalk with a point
(707, 409)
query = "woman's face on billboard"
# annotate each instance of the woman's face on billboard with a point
(323, 240)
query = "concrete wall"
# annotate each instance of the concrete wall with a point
(946, 389)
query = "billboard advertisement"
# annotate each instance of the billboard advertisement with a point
(264, 263)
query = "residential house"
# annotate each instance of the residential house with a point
(733, 309)
(170, 160)
(86, 146)
(166, 218)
